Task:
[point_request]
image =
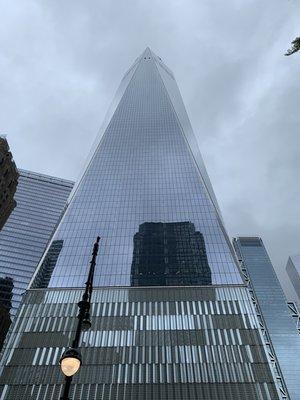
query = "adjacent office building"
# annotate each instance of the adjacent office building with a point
(172, 317)
(6, 289)
(40, 201)
(276, 317)
(8, 181)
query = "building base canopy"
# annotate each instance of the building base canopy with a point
(144, 343)
(208, 391)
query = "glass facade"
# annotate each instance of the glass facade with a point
(281, 328)
(40, 202)
(144, 170)
(180, 343)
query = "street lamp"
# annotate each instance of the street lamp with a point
(70, 361)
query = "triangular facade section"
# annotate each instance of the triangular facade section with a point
(145, 172)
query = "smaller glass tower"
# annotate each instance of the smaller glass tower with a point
(40, 201)
(273, 305)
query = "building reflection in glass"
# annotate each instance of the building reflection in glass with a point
(43, 276)
(6, 291)
(169, 254)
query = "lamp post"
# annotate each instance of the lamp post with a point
(70, 361)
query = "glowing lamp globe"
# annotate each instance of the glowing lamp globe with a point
(70, 362)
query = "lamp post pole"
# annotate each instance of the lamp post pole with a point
(71, 360)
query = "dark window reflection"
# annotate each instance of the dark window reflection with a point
(44, 275)
(169, 254)
(6, 288)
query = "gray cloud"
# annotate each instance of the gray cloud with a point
(61, 63)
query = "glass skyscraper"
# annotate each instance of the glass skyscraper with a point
(281, 330)
(146, 192)
(40, 202)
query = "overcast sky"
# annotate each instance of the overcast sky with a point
(61, 62)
